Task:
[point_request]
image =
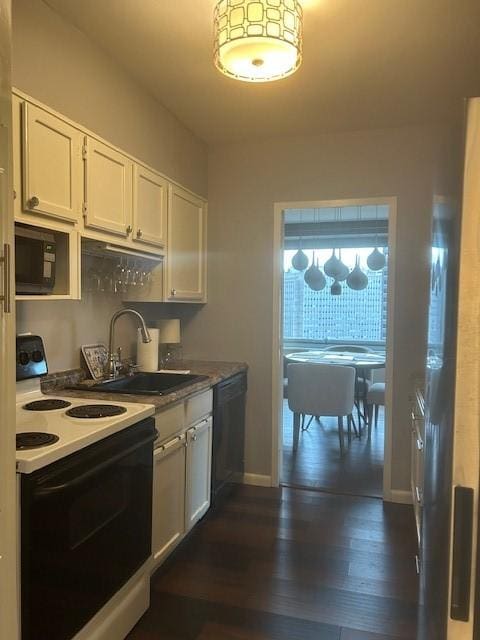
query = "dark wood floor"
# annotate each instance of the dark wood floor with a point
(317, 464)
(284, 564)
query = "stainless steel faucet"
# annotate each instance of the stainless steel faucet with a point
(113, 358)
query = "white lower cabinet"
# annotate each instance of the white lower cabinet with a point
(199, 464)
(181, 472)
(168, 517)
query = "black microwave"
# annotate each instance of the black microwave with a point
(35, 258)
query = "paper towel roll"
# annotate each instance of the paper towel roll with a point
(147, 353)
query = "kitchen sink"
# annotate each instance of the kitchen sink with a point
(148, 383)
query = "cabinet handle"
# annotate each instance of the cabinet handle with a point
(6, 296)
(418, 495)
(194, 437)
(129, 230)
(173, 292)
(33, 202)
(419, 444)
(139, 233)
(417, 565)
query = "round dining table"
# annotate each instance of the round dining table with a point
(360, 361)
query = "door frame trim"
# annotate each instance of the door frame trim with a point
(277, 317)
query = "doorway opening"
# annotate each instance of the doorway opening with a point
(335, 311)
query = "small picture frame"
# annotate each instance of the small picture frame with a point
(95, 356)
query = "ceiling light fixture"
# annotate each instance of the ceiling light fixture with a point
(258, 41)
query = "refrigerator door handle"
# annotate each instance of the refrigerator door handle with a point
(462, 553)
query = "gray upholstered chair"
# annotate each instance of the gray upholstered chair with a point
(286, 361)
(375, 399)
(321, 390)
(362, 383)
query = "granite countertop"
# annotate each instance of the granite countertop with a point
(56, 384)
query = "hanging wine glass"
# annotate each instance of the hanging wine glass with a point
(357, 280)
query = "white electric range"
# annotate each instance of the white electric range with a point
(52, 427)
(85, 478)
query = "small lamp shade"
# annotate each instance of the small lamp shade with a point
(169, 331)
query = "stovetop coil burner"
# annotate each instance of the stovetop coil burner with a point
(35, 439)
(49, 404)
(95, 411)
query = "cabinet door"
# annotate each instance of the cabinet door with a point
(52, 165)
(168, 514)
(199, 461)
(150, 200)
(108, 188)
(186, 254)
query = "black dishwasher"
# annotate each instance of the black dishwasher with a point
(228, 434)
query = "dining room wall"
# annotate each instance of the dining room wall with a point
(245, 180)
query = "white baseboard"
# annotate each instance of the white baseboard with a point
(257, 480)
(399, 496)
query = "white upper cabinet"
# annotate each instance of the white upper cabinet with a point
(108, 188)
(186, 255)
(52, 165)
(150, 201)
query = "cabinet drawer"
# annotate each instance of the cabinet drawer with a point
(198, 407)
(169, 422)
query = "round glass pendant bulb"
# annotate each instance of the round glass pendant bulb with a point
(342, 271)
(258, 41)
(357, 280)
(315, 278)
(333, 267)
(300, 261)
(336, 288)
(376, 260)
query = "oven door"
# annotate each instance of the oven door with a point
(86, 529)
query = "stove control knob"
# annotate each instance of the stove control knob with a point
(37, 356)
(23, 358)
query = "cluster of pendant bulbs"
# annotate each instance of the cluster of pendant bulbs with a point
(334, 268)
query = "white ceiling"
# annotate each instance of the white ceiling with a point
(367, 64)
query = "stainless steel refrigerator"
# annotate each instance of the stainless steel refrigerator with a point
(449, 600)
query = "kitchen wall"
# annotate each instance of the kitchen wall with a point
(245, 180)
(55, 63)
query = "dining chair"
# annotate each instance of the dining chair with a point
(286, 351)
(375, 399)
(321, 390)
(362, 383)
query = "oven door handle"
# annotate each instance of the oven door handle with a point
(49, 490)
